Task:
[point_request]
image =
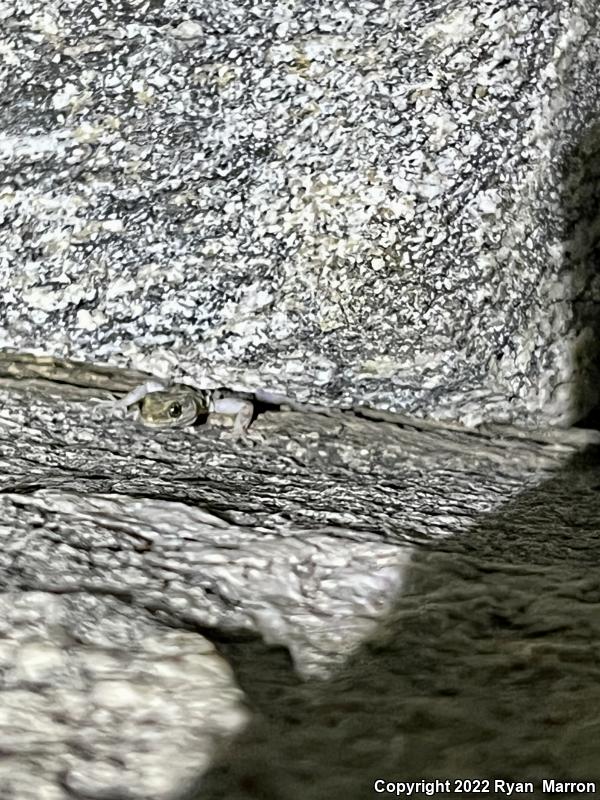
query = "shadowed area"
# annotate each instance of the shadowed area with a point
(580, 235)
(487, 667)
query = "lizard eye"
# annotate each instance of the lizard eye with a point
(174, 410)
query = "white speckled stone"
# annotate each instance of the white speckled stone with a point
(390, 205)
(98, 700)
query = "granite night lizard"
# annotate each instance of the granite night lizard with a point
(162, 405)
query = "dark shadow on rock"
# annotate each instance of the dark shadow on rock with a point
(488, 667)
(580, 200)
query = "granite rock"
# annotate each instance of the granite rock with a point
(391, 204)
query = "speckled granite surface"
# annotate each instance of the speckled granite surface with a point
(391, 203)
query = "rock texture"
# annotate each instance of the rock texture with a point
(382, 204)
(432, 588)
(90, 687)
(390, 204)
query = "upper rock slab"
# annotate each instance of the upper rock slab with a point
(387, 203)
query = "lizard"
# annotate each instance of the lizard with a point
(157, 404)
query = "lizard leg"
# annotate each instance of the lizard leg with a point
(243, 411)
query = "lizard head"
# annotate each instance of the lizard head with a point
(175, 407)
